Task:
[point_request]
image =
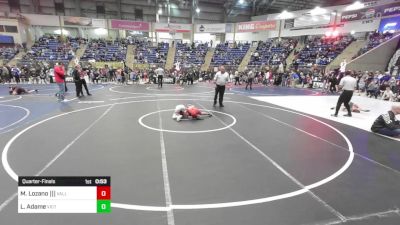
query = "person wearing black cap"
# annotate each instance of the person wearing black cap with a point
(348, 84)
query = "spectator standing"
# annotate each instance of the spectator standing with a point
(83, 81)
(77, 80)
(237, 77)
(250, 79)
(59, 75)
(43, 75)
(16, 74)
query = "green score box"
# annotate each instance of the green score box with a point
(103, 206)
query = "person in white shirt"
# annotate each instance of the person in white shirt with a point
(220, 79)
(180, 111)
(231, 76)
(388, 95)
(343, 66)
(250, 78)
(160, 75)
(348, 84)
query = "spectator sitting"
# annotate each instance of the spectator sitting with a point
(388, 95)
(372, 89)
(387, 124)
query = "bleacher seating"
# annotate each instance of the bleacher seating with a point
(322, 50)
(272, 52)
(229, 53)
(191, 54)
(104, 50)
(147, 53)
(50, 49)
(8, 53)
(374, 39)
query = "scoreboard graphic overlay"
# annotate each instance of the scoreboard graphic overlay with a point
(64, 194)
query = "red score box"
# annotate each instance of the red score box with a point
(103, 192)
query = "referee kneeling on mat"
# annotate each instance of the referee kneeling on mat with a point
(348, 84)
(220, 79)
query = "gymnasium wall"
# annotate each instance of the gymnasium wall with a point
(11, 22)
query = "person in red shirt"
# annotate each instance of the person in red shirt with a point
(59, 75)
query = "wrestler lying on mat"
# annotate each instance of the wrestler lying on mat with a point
(188, 112)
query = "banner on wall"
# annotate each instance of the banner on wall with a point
(372, 12)
(230, 27)
(141, 66)
(42, 20)
(172, 27)
(289, 23)
(5, 39)
(255, 26)
(130, 25)
(114, 65)
(99, 23)
(212, 28)
(391, 24)
(307, 20)
(77, 21)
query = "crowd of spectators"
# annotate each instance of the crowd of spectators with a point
(105, 50)
(229, 53)
(376, 84)
(374, 39)
(272, 52)
(380, 85)
(147, 52)
(191, 54)
(321, 50)
(51, 48)
(8, 53)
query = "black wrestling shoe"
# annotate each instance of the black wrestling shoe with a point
(214, 104)
(334, 115)
(89, 94)
(221, 105)
(347, 115)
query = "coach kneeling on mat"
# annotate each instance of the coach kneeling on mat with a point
(387, 124)
(221, 77)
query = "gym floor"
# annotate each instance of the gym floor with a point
(252, 163)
